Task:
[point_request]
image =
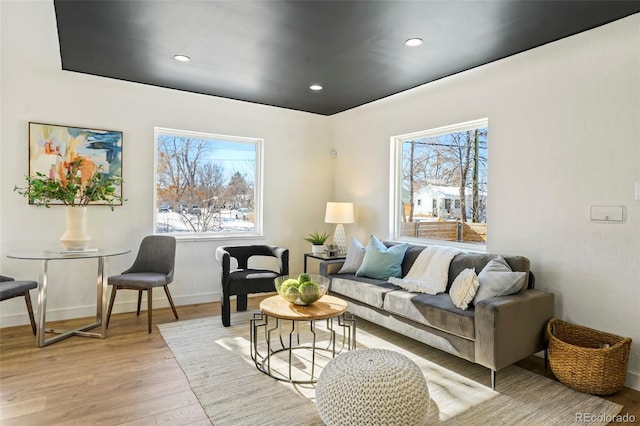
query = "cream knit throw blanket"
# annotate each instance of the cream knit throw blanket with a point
(430, 271)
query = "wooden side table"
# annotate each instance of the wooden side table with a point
(276, 314)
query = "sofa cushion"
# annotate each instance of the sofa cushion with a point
(437, 311)
(355, 255)
(380, 261)
(365, 290)
(410, 257)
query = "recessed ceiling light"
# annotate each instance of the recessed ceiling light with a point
(181, 58)
(413, 42)
(315, 87)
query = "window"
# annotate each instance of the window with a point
(207, 183)
(448, 166)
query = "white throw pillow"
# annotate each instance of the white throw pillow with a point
(355, 255)
(464, 288)
(497, 279)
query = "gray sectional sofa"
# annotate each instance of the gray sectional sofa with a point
(495, 333)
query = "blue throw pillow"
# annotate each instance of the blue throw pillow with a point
(381, 262)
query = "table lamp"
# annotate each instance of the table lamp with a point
(339, 213)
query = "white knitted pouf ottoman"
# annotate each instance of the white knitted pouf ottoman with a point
(372, 387)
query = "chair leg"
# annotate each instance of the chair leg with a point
(114, 289)
(27, 299)
(149, 307)
(166, 291)
(226, 311)
(139, 302)
(241, 302)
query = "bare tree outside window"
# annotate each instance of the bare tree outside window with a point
(442, 183)
(206, 183)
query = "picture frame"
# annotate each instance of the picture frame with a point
(51, 146)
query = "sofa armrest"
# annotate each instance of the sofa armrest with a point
(330, 267)
(510, 328)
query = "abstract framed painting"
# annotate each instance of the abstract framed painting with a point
(53, 147)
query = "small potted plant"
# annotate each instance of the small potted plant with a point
(75, 191)
(317, 241)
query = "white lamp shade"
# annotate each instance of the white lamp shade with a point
(339, 213)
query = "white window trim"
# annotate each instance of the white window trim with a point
(258, 232)
(395, 184)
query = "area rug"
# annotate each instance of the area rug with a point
(218, 365)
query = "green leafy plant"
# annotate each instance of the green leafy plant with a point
(72, 189)
(316, 238)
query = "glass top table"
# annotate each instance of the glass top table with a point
(57, 254)
(52, 254)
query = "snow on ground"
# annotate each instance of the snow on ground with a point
(176, 222)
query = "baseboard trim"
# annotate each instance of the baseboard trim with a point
(130, 305)
(159, 301)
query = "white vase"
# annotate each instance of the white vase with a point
(75, 237)
(317, 249)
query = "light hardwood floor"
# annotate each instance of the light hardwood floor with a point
(129, 378)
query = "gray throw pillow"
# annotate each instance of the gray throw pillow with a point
(497, 279)
(355, 255)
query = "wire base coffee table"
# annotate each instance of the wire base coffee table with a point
(279, 326)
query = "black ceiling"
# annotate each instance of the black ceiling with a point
(269, 52)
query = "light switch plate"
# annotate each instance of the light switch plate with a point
(637, 191)
(607, 213)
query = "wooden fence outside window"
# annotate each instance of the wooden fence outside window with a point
(447, 231)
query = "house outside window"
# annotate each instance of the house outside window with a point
(207, 184)
(448, 166)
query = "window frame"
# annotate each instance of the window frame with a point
(395, 184)
(258, 231)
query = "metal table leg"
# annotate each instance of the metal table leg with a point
(101, 309)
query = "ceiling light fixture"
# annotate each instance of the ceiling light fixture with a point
(181, 58)
(315, 87)
(413, 42)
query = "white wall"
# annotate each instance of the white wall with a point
(34, 88)
(564, 134)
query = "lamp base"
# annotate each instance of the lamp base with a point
(340, 239)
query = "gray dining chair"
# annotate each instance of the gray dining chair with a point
(10, 288)
(152, 268)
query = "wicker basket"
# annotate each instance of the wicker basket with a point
(587, 360)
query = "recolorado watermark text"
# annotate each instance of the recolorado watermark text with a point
(604, 418)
